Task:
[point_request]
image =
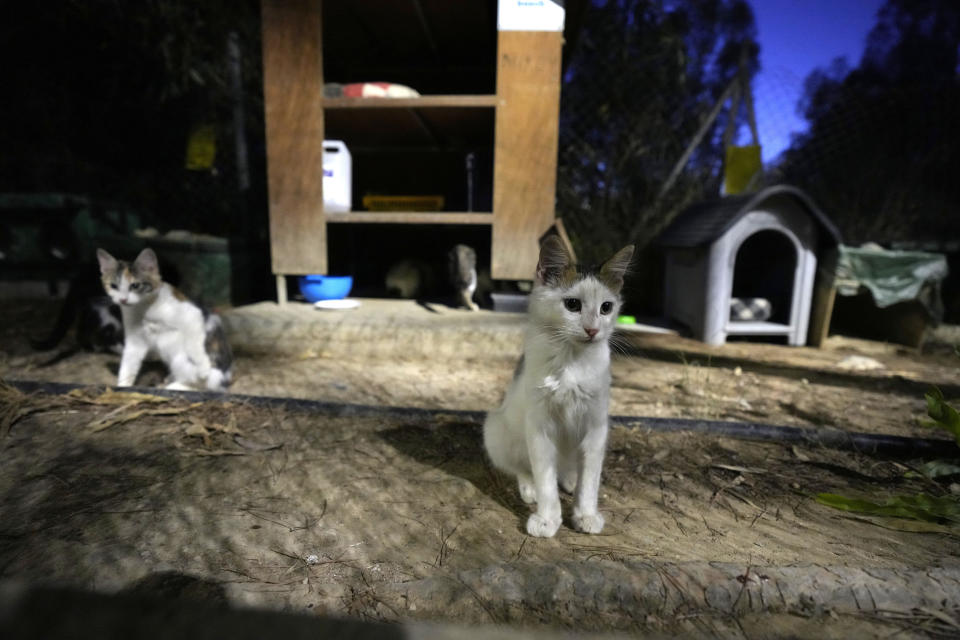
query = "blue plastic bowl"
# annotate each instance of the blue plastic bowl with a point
(318, 287)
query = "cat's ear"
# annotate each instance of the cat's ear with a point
(613, 270)
(107, 262)
(146, 262)
(554, 260)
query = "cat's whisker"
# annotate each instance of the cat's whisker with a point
(620, 343)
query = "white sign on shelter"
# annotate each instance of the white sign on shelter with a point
(530, 15)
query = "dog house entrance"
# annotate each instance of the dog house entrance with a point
(763, 284)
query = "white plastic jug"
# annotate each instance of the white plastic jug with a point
(337, 177)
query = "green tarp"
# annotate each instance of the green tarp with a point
(893, 276)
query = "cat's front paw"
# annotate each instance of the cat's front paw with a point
(587, 522)
(542, 527)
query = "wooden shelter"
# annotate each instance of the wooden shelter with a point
(486, 91)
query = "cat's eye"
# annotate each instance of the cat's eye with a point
(113, 285)
(606, 307)
(572, 304)
(135, 286)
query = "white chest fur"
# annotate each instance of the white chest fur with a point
(165, 323)
(571, 383)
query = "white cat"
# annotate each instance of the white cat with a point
(552, 425)
(158, 318)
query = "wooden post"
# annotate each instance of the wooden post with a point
(292, 94)
(281, 290)
(525, 151)
(824, 294)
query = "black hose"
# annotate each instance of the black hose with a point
(871, 443)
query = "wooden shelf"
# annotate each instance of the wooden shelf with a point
(410, 217)
(381, 125)
(422, 102)
(495, 94)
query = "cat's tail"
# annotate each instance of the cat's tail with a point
(221, 355)
(68, 313)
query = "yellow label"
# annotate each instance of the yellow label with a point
(742, 164)
(202, 148)
(403, 203)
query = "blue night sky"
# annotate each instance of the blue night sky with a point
(796, 36)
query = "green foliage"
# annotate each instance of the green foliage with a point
(923, 507)
(942, 413)
(919, 507)
(935, 469)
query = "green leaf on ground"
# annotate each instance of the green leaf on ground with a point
(919, 507)
(939, 468)
(902, 524)
(945, 415)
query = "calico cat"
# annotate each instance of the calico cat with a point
(94, 317)
(552, 424)
(158, 318)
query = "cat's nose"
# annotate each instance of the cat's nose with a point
(591, 332)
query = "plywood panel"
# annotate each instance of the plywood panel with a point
(292, 92)
(525, 153)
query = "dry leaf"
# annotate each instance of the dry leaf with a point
(196, 428)
(730, 467)
(253, 445)
(230, 427)
(206, 453)
(111, 396)
(118, 415)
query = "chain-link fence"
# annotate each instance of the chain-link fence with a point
(877, 148)
(646, 99)
(883, 164)
(648, 93)
(654, 94)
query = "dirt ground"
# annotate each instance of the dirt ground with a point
(394, 515)
(396, 353)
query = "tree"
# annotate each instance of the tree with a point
(105, 92)
(644, 75)
(882, 152)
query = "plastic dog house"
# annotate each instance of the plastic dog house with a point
(760, 245)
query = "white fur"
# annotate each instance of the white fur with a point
(552, 425)
(466, 294)
(173, 329)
